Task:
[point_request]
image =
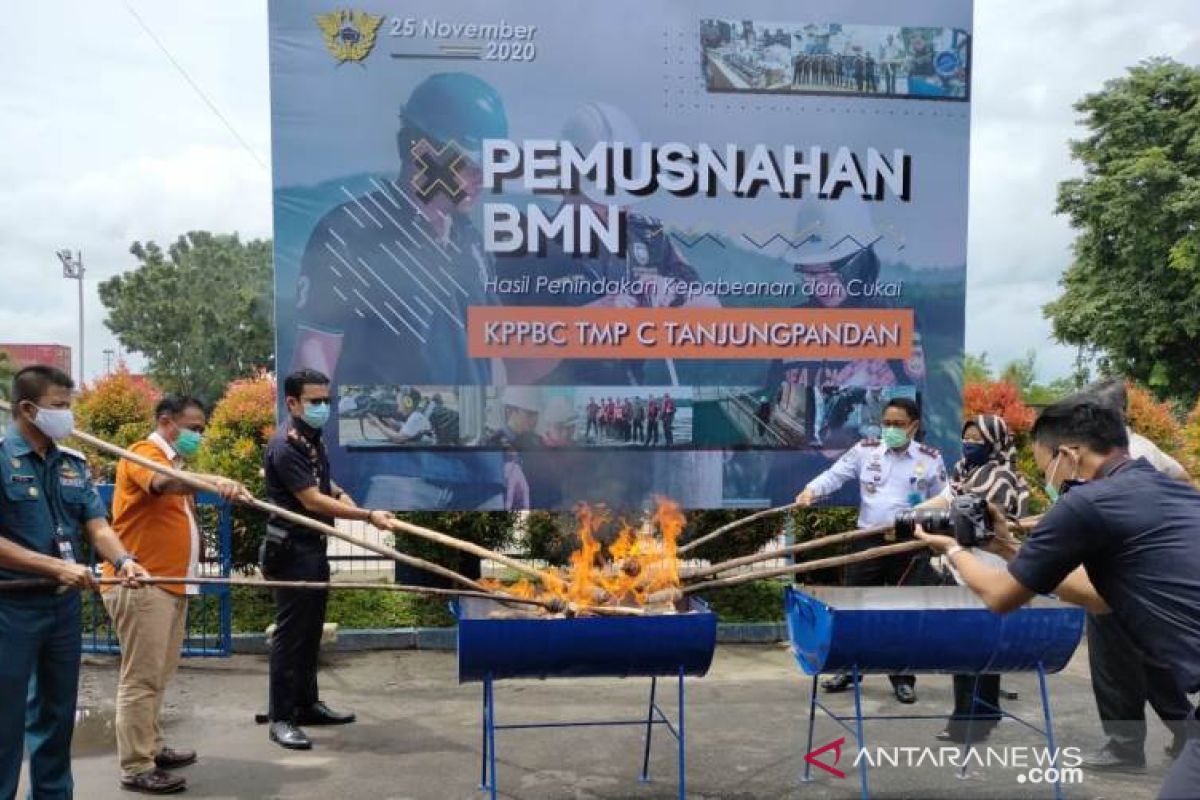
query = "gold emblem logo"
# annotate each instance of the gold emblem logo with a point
(349, 35)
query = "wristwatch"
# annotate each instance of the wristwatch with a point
(121, 561)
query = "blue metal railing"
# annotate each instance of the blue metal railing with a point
(210, 613)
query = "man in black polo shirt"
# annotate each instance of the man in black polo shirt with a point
(297, 478)
(1121, 539)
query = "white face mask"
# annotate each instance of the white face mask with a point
(56, 423)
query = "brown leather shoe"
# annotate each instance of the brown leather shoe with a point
(153, 781)
(170, 758)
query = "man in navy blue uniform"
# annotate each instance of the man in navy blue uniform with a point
(1120, 539)
(47, 506)
(298, 479)
(386, 280)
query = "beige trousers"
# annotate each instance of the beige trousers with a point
(150, 625)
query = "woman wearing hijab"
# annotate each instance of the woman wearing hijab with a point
(988, 469)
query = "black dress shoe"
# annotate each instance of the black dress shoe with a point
(1176, 746)
(905, 694)
(170, 758)
(289, 737)
(320, 714)
(956, 732)
(1110, 758)
(154, 781)
(838, 683)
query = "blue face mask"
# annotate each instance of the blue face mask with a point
(975, 454)
(316, 414)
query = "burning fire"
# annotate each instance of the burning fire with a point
(638, 563)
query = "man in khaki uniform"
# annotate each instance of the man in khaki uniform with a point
(153, 515)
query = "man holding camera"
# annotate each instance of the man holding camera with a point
(1120, 539)
(894, 474)
(298, 479)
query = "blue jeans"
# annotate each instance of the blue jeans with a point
(40, 647)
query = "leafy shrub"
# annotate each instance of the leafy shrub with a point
(757, 601)
(118, 408)
(1190, 442)
(1156, 421)
(254, 610)
(490, 529)
(234, 442)
(1001, 398)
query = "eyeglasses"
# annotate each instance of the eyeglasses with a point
(317, 401)
(891, 423)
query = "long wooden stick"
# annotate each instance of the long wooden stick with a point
(1025, 524)
(199, 484)
(755, 517)
(46, 583)
(466, 547)
(802, 547)
(808, 566)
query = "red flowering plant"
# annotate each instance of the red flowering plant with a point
(118, 408)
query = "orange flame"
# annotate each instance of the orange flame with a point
(640, 562)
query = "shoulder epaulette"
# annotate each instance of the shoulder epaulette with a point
(71, 452)
(869, 443)
(928, 450)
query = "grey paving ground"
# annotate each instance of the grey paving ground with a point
(418, 735)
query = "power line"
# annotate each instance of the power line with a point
(196, 87)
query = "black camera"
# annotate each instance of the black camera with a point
(967, 519)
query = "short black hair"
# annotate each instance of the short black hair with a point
(1081, 421)
(1110, 392)
(173, 404)
(907, 405)
(293, 385)
(32, 382)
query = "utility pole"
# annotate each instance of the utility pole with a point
(73, 270)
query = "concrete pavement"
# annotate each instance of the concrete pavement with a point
(418, 735)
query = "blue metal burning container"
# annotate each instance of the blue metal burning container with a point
(492, 648)
(938, 629)
(926, 629)
(582, 647)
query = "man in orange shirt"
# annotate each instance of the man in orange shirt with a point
(154, 516)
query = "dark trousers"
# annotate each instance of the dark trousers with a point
(1183, 779)
(898, 570)
(299, 619)
(984, 712)
(40, 644)
(652, 431)
(1123, 681)
(668, 423)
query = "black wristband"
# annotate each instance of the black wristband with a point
(122, 560)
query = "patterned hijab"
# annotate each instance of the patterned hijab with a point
(996, 479)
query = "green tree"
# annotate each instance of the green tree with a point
(8, 369)
(1132, 294)
(201, 312)
(976, 368)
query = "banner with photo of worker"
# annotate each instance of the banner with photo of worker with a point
(564, 252)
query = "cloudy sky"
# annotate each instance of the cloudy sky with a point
(105, 143)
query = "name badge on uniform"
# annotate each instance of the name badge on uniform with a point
(71, 483)
(22, 479)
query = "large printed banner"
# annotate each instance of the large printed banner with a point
(564, 251)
